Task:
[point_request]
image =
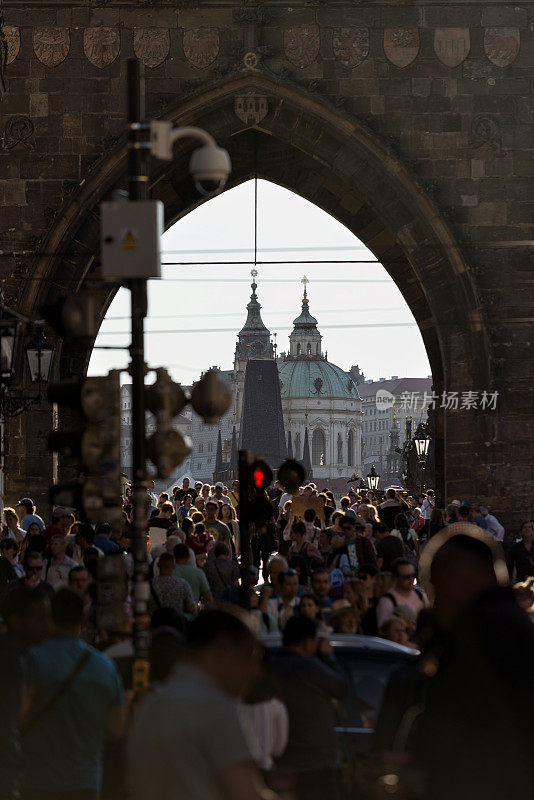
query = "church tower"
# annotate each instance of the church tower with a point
(253, 342)
(305, 340)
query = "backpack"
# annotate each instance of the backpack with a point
(419, 593)
(337, 580)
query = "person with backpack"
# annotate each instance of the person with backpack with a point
(402, 593)
(408, 537)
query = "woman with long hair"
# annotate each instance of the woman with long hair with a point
(228, 516)
(407, 535)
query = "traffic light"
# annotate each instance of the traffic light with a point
(291, 475)
(166, 448)
(73, 316)
(260, 476)
(94, 443)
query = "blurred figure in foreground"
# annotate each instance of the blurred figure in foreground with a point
(466, 727)
(187, 730)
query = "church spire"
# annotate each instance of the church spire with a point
(305, 339)
(254, 339)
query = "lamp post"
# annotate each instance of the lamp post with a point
(39, 353)
(372, 479)
(422, 444)
(209, 166)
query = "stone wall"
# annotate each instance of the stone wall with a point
(411, 123)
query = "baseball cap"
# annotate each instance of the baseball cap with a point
(26, 502)
(219, 485)
(62, 511)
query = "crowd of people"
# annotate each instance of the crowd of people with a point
(336, 568)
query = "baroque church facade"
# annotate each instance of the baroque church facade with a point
(321, 404)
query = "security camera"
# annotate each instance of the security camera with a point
(210, 167)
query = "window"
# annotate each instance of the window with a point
(201, 448)
(339, 449)
(297, 447)
(350, 448)
(210, 447)
(309, 349)
(317, 349)
(299, 350)
(318, 448)
(199, 465)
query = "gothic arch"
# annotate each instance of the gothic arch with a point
(314, 149)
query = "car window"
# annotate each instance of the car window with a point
(368, 679)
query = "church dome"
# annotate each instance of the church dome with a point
(315, 378)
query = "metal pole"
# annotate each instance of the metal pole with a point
(138, 150)
(244, 528)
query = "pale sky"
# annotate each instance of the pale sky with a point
(195, 312)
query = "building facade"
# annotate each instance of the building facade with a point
(316, 394)
(387, 404)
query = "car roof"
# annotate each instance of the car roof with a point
(350, 642)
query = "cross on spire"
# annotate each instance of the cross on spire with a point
(305, 281)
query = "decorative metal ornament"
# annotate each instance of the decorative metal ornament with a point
(452, 45)
(501, 45)
(201, 46)
(250, 60)
(401, 45)
(51, 45)
(151, 45)
(12, 40)
(101, 46)
(251, 109)
(18, 130)
(351, 45)
(301, 45)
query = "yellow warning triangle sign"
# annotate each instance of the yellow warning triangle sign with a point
(129, 242)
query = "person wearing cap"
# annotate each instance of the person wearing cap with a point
(27, 515)
(218, 494)
(62, 519)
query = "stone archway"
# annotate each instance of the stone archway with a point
(310, 147)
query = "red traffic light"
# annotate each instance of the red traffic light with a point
(260, 474)
(259, 477)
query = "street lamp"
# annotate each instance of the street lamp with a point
(39, 353)
(373, 479)
(422, 442)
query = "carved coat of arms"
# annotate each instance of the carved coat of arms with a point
(401, 45)
(301, 45)
(351, 45)
(451, 45)
(101, 45)
(251, 109)
(201, 46)
(12, 38)
(51, 45)
(151, 45)
(501, 45)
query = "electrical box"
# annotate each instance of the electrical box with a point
(130, 238)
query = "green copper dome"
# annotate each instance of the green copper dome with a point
(310, 377)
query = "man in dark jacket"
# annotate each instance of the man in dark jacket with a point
(471, 738)
(309, 680)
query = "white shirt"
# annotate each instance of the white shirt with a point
(266, 729)
(427, 508)
(494, 527)
(280, 611)
(57, 574)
